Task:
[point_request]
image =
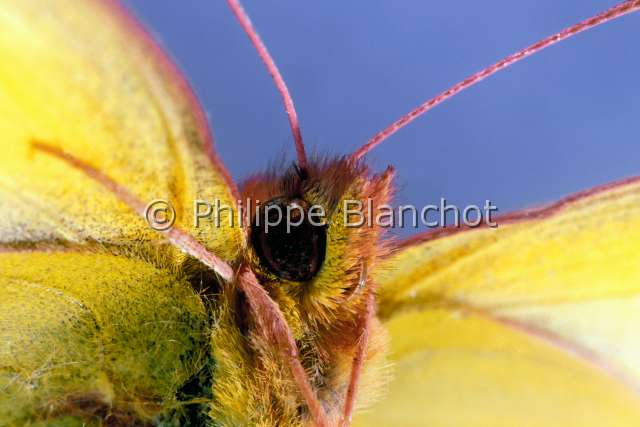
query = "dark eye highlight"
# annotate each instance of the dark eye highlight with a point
(289, 243)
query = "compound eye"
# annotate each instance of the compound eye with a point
(288, 242)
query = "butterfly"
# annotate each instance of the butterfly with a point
(109, 317)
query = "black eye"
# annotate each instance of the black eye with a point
(291, 243)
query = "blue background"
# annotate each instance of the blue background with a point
(561, 121)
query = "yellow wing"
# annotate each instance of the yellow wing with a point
(82, 333)
(97, 320)
(84, 78)
(533, 323)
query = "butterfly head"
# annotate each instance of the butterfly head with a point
(311, 241)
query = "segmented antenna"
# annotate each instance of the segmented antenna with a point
(272, 68)
(623, 8)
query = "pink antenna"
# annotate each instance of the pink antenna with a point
(623, 8)
(272, 68)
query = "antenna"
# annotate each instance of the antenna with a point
(272, 68)
(622, 9)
